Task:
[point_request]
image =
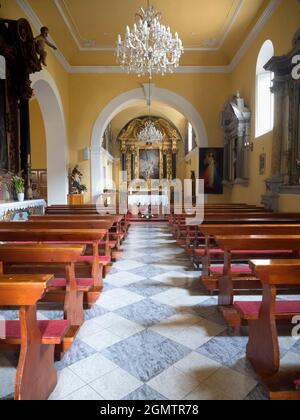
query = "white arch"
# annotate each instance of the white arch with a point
(124, 100)
(2, 67)
(48, 96)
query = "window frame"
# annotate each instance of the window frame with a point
(265, 54)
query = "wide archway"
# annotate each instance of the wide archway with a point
(124, 100)
(49, 99)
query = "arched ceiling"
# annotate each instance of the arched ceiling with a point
(139, 109)
(212, 31)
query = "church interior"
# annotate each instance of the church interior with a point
(150, 200)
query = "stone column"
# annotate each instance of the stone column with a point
(275, 182)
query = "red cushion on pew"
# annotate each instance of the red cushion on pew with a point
(262, 252)
(201, 251)
(84, 283)
(250, 309)
(234, 269)
(89, 258)
(297, 383)
(49, 329)
(111, 244)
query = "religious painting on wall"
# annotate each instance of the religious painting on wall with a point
(262, 163)
(211, 163)
(3, 138)
(149, 164)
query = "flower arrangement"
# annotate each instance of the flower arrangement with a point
(19, 184)
(82, 188)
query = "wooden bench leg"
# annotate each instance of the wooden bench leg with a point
(36, 376)
(73, 305)
(263, 347)
(226, 293)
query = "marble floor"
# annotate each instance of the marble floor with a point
(154, 334)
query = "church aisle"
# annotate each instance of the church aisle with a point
(154, 334)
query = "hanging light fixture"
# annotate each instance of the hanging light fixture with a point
(149, 47)
(150, 134)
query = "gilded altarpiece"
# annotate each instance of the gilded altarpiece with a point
(159, 155)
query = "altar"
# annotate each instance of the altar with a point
(16, 210)
(144, 202)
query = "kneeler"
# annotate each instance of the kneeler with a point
(36, 376)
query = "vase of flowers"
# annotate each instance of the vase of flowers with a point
(82, 189)
(19, 187)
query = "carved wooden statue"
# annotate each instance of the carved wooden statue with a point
(76, 177)
(40, 44)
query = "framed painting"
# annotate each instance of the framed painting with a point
(149, 163)
(211, 162)
(262, 163)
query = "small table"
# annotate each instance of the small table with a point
(75, 199)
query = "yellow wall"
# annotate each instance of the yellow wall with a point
(38, 137)
(85, 95)
(90, 93)
(280, 29)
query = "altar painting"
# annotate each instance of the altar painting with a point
(149, 164)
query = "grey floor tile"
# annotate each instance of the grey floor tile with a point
(146, 355)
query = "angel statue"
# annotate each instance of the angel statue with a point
(76, 177)
(40, 45)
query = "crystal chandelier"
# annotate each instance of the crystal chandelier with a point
(150, 134)
(149, 47)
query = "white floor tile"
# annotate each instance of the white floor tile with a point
(84, 394)
(67, 383)
(198, 366)
(116, 385)
(128, 265)
(118, 298)
(231, 383)
(102, 340)
(122, 279)
(92, 368)
(173, 384)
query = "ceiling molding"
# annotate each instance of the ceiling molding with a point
(111, 49)
(37, 24)
(119, 70)
(272, 6)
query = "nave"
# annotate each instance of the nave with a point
(154, 334)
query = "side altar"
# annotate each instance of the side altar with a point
(15, 210)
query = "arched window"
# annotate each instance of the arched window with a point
(2, 68)
(264, 96)
(191, 139)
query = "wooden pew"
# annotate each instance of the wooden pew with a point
(65, 236)
(208, 252)
(229, 278)
(36, 376)
(31, 259)
(118, 230)
(263, 347)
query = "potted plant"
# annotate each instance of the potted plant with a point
(82, 189)
(19, 187)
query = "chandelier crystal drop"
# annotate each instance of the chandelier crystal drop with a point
(149, 47)
(150, 134)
